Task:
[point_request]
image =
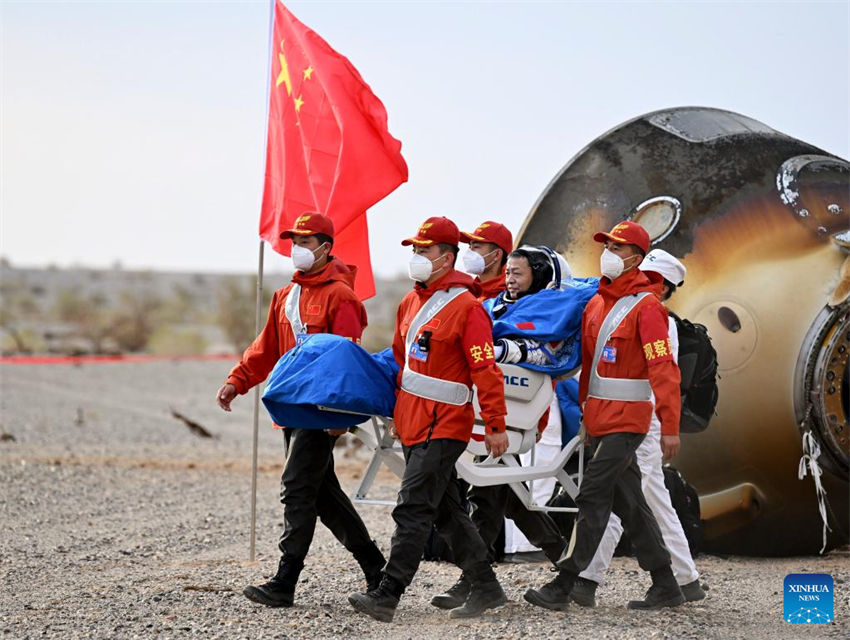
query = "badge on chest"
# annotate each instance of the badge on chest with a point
(421, 346)
(609, 354)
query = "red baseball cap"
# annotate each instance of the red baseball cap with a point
(626, 232)
(492, 232)
(435, 230)
(309, 224)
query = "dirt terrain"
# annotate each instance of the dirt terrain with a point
(120, 522)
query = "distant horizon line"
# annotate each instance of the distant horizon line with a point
(118, 267)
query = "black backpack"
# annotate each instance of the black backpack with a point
(698, 364)
(685, 501)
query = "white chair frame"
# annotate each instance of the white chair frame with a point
(527, 394)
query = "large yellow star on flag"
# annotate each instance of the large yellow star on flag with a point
(283, 76)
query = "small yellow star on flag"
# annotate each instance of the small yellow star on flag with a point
(308, 73)
(298, 103)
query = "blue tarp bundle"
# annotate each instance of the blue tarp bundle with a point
(551, 315)
(333, 372)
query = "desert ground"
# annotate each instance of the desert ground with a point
(120, 522)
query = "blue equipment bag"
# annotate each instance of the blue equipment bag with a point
(330, 371)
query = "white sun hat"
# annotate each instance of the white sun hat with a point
(669, 267)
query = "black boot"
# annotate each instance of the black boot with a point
(280, 590)
(554, 595)
(486, 593)
(380, 603)
(455, 596)
(584, 592)
(372, 561)
(664, 592)
(693, 591)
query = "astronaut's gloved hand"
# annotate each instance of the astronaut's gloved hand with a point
(533, 352)
(507, 351)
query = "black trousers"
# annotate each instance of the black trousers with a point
(310, 488)
(429, 494)
(612, 481)
(490, 505)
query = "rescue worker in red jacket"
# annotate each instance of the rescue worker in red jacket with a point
(320, 299)
(626, 358)
(443, 343)
(490, 505)
(489, 246)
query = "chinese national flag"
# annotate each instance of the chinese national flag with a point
(328, 147)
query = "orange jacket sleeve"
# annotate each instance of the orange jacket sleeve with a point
(348, 321)
(664, 374)
(261, 356)
(398, 343)
(477, 345)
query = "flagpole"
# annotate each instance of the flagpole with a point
(256, 417)
(253, 537)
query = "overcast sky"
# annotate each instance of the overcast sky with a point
(134, 131)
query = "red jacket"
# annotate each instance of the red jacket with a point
(461, 350)
(492, 287)
(327, 304)
(642, 351)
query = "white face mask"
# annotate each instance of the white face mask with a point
(421, 268)
(473, 262)
(611, 265)
(303, 258)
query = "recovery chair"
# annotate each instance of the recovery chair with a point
(527, 395)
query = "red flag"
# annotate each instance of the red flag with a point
(328, 146)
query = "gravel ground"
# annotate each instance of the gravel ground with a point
(119, 522)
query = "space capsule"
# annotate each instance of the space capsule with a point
(760, 219)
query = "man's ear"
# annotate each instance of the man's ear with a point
(451, 255)
(639, 260)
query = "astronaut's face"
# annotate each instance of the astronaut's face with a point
(518, 276)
